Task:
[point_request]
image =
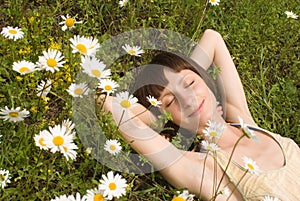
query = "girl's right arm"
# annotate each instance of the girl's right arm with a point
(212, 49)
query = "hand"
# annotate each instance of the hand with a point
(105, 102)
(219, 108)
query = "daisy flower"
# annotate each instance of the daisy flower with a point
(69, 151)
(184, 196)
(214, 130)
(78, 90)
(69, 22)
(125, 99)
(94, 68)
(84, 45)
(214, 2)
(57, 139)
(290, 14)
(210, 146)
(44, 88)
(246, 131)
(108, 85)
(12, 33)
(13, 114)
(68, 124)
(269, 198)
(95, 194)
(39, 139)
(24, 67)
(113, 186)
(51, 60)
(134, 50)
(113, 146)
(123, 3)
(251, 165)
(153, 101)
(4, 178)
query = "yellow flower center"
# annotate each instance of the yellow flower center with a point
(98, 197)
(41, 141)
(51, 62)
(70, 22)
(108, 88)
(213, 134)
(251, 167)
(13, 114)
(112, 147)
(2, 178)
(132, 52)
(82, 48)
(58, 140)
(23, 69)
(13, 31)
(209, 148)
(96, 73)
(125, 103)
(178, 199)
(78, 91)
(112, 186)
(213, 1)
(153, 102)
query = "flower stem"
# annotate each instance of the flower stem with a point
(230, 157)
(134, 116)
(235, 186)
(121, 119)
(203, 174)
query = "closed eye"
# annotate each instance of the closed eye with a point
(170, 103)
(190, 84)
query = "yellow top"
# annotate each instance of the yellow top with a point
(283, 183)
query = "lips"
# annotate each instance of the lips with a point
(198, 110)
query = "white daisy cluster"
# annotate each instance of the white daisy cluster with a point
(111, 186)
(4, 178)
(58, 139)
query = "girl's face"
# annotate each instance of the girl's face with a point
(188, 99)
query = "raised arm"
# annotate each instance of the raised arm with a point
(212, 49)
(182, 169)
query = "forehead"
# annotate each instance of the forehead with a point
(175, 79)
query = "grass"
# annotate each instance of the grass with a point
(263, 42)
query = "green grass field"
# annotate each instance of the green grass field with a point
(262, 40)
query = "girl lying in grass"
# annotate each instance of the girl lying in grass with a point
(235, 156)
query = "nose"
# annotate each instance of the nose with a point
(186, 100)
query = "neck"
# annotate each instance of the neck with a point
(230, 136)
